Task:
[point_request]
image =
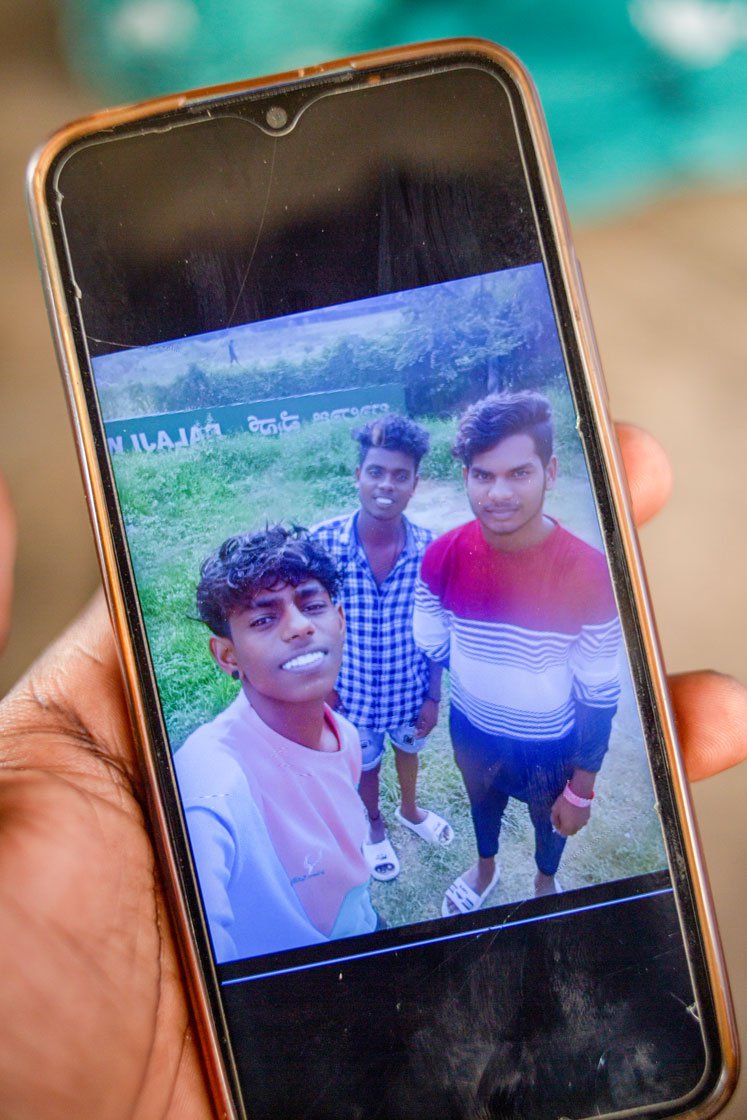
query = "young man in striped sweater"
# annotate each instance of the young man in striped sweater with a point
(523, 613)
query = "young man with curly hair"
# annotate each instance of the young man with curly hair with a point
(269, 787)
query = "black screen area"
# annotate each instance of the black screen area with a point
(570, 1018)
(201, 221)
(215, 222)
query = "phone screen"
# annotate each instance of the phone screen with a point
(255, 310)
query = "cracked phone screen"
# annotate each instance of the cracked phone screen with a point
(247, 305)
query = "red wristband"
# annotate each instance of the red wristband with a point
(574, 799)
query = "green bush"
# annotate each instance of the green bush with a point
(439, 464)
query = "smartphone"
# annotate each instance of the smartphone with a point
(297, 319)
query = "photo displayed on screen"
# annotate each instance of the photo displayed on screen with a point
(380, 615)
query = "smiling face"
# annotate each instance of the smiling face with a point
(506, 488)
(386, 481)
(286, 646)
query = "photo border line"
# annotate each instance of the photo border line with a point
(446, 937)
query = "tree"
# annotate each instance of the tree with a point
(462, 340)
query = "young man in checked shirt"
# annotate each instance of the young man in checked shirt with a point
(524, 614)
(387, 686)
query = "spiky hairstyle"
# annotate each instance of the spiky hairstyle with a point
(393, 433)
(251, 562)
(500, 415)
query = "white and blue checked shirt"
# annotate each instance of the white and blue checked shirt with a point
(384, 676)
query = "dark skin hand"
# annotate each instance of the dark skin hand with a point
(568, 819)
(7, 556)
(93, 1011)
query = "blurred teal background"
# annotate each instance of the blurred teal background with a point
(639, 94)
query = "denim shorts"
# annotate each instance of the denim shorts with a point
(373, 742)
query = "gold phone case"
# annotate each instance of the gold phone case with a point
(367, 68)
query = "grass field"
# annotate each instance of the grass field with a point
(179, 505)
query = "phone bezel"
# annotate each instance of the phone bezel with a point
(554, 231)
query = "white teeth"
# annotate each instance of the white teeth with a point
(384, 501)
(303, 660)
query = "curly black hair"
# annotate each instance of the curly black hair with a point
(249, 562)
(500, 415)
(393, 433)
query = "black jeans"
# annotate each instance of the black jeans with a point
(495, 768)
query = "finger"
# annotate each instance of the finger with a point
(711, 715)
(75, 692)
(648, 470)
(7, 558)
(88, 639)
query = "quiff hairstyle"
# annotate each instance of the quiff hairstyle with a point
(393, 433)
(495, 418)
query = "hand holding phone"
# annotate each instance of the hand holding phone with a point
(80, 677)
(240, 283)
